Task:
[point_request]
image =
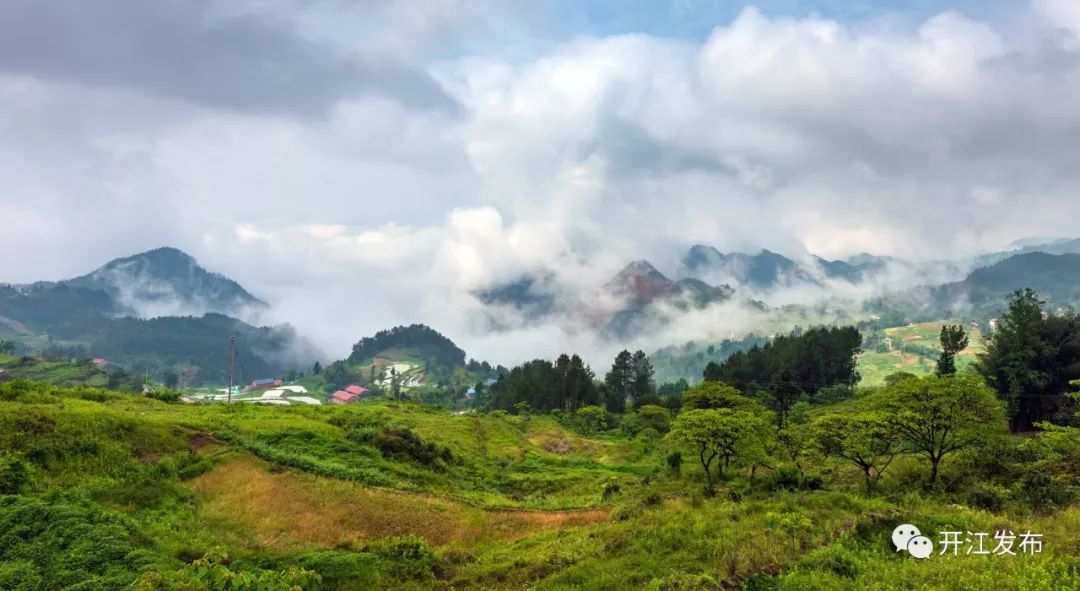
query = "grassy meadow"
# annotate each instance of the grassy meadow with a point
(915, 350)
(104, 490)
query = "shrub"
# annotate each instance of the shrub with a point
(674, 461)
(835, 559)
(14, 474)
(402, 444)
(408, 556)
(784, 478)
(987, 497)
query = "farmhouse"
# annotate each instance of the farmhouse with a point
(343, 397)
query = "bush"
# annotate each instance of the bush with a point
(14, 474)
(409, 557)
(402, 444)
(611, 488)
(988, 497)
(835, 559)
(674, 461)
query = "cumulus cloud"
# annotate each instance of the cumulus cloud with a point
(363, 168)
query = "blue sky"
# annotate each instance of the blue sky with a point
(694, 19)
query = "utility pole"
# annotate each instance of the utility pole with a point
(232, 357)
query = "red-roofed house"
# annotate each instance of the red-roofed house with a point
(354, 389)
(343, 397)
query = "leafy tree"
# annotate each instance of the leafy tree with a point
(953, 340)
(7, 347)
(715, 434)
(590, 418)
(715, 395)
(899, 376)
(316, 369)
(1030, 360)
(935, 416)
(655, 417)
(865, 439)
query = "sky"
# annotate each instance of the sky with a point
(365, 164)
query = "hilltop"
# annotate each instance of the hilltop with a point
(167, 282)
(157, 312)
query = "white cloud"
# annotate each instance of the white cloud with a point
(572, 157)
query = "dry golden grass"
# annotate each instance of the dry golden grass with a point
(290, 509)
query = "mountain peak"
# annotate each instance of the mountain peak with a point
(167, 281)
(640, 283)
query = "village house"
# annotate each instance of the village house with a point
(348, 395)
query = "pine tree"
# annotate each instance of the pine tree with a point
(953, 340)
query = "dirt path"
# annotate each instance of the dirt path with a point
(291, 509)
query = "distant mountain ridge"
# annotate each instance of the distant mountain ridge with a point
(768, 270)
(168, 282)
(157, 312)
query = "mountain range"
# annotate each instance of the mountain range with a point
(161, 311)
(157, 311)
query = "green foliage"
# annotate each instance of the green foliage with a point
(215, 572)
(716, 395)
(14, 473)
(425, 343)
(1030, 361)
(655, 417)
(65, 544)
(937, 416)
(793, 364)
(866, 439)
(720, 433)
(403, 444)
(565, 385)
(590, 419)
(953, 340)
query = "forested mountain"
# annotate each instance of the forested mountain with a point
(1058, 246)
(982, 294)
(416, 340)
(167, 281)
(148, 314)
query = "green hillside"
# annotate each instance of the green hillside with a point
(912, 348)
(99, 489)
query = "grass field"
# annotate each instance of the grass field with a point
(874, 366)
(115, 487)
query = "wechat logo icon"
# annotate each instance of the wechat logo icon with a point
(909, 539)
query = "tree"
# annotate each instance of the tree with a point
(803, 360)
(715, 434)
(656, 417)
(620, 380)
(953, 340)
(315, 369)
(590, 419)
(935, 416)
(865, 439)
(7, 347)
(1030, 360)
(715, 395)
(642, 383)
